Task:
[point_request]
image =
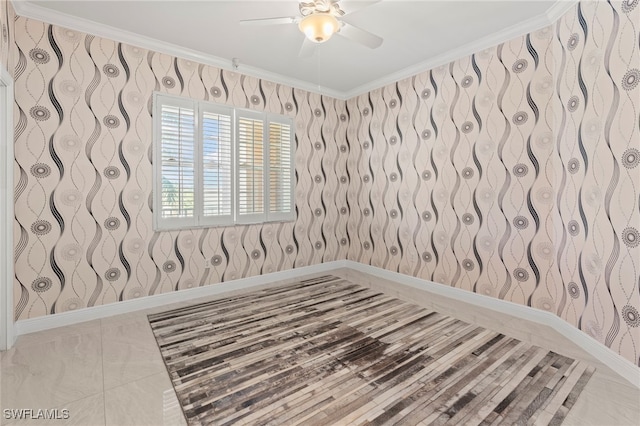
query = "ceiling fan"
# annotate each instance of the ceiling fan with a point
(319, 20)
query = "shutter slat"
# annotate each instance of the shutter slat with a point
(217, 164)
(250, 189)
(177, 145)
(280, 168)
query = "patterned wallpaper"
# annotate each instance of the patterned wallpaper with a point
(513, 173)
(597, 149)
(83, 228)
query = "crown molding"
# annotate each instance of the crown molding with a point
(555, 12)
(32, 11)
(559, 8)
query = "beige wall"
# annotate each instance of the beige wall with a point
(597, 148)
(513, 173)
(83, 229)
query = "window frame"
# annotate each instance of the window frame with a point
(198, 220)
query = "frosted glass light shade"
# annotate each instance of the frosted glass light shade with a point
(319, 27)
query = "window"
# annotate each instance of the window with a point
(217, 165)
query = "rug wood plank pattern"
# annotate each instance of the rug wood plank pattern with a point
(328, 351)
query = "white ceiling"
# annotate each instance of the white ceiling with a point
(417, 34)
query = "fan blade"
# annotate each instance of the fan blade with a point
(307, 48)
(359, 35)
(270, 21)
(353, 6)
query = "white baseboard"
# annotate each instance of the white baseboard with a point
(613, 360)
(617, 363)
(88, 314)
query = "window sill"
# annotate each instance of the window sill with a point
(227, 225)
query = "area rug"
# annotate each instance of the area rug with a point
(328, 351)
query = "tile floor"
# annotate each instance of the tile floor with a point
(109, 371)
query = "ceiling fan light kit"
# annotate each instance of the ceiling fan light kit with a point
(319, 27)
(319, 20)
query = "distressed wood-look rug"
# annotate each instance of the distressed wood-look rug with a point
(328, 351)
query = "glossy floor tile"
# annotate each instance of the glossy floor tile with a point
(52, 373)
(109, 371)
(148, 401)
(130, 352)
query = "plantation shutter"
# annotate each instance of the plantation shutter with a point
(176, 129)
(251, 171)
(280, 169)
(217, 164)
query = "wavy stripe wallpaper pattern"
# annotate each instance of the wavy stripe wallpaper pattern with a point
(463, 192)
(514, 173)
(83, 193)
(509, 173)
(597, 103)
